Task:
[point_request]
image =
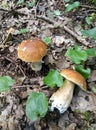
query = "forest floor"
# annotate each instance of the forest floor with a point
(42, 20)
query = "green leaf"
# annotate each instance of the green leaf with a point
(67, 0)
(57, 12)
(53, 78)
(5, 5)
(91, 52)
(91, 33)
(88, 20)
(47, 40)
(73, 6)
(36, 106)
(87, 115)
(24, 30)
(77, 55)
(20, 2)
(31, 4)
(83, 71)
(5, 83)
(92, 1)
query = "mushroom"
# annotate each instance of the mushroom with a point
(61, 99)
(32, 51)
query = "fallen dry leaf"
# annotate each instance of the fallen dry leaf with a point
(84, 101)
(92, 76)
(72, 126)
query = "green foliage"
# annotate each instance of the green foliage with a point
(5, 5)
(53, 78)
(87, 115)
(36, 106)
(91, 52)
(57, 12)
(83, 71)
(91, 33)
(67, 0)
(20, 2)
(5, 83)
(77, 55)
(47, 40)
(31, 4)
(24, 30)
(88, 20)
(73, 6)
(92, 1)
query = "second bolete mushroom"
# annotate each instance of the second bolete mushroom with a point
(61, 99)
(32, 51)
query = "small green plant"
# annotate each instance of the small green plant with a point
(19, 2)
(92, 1)
(36, 106)
(79, 56)
(53, 79)
(91, 33)
(5, 5)
(57, 12)
(73, 6)
(47, 40)
(31, 4)
(87, 115)
(67, 0)
(23, 30)
(27, 4)
(37, 103)
(5, 83)
(88, 20)
(84, 71)
(76, 54)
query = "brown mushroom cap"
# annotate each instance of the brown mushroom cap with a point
(32, 50)
(74, 77)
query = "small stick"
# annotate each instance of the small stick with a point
(10, 32)
(87, 6)
(56, 24)
(21, 86)
(79, 38)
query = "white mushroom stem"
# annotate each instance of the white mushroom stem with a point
(36, 66)
(61, 99)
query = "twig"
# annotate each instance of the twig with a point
(21, 86)
(89, 11)
(87, 6)
(79, 38)
(10, 32)
(45, 18)
(28, 86)
(3, 46)
(1, 9)
(36, 8)
(57, 24)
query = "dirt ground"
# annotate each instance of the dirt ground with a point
(41, 22)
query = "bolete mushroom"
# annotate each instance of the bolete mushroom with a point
(32, 51)
(61, 99)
